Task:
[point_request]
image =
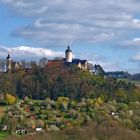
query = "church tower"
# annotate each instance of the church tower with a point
(68, 55)
(9, 63)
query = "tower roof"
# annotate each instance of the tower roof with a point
(68, 49)
(8, 57)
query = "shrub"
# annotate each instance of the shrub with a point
(10, 99)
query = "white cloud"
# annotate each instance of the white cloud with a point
(135, 42)
(58, 22)
(109, 66)
(25, 52)
(62, 33)
(136, 57)
(101, 60)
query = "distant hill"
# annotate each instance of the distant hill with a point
(127, 80)
(40, 83)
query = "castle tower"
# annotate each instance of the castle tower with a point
(9, 63)
(68, 55)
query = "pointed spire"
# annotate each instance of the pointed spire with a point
(8, 57)
(68, 49)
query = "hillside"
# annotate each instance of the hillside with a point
(40, 83)
(67, 102)
(135, 82)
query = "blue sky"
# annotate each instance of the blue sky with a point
(103, 32)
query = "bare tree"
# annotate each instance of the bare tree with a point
(43, 62)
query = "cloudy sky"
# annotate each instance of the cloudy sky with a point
(105, 32)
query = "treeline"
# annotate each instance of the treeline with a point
(135, 77)
(118, 74)
(40, 83)
(123, 74)
(98, 70)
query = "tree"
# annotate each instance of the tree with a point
(63, 103)
(43, 62)
(19, 89)
(99, 101)
(2, 65)
(120, 95)
(99, 70)
(63, 100)
(10, 99)
(25, 64)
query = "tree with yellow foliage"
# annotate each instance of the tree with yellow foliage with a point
(63, 100)
(63, 103)
(10, 99)
(99, 101)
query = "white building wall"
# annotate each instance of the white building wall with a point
(69, 57)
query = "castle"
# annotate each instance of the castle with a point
(12, 65)
(82, 64)
(67, 61)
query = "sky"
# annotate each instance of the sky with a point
(105, 32)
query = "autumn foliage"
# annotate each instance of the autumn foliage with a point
(10, 99)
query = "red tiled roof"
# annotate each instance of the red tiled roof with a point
(52, 63)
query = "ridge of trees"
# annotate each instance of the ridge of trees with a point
(42, 82)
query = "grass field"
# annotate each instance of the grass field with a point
(137, 83)
(3, 135)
